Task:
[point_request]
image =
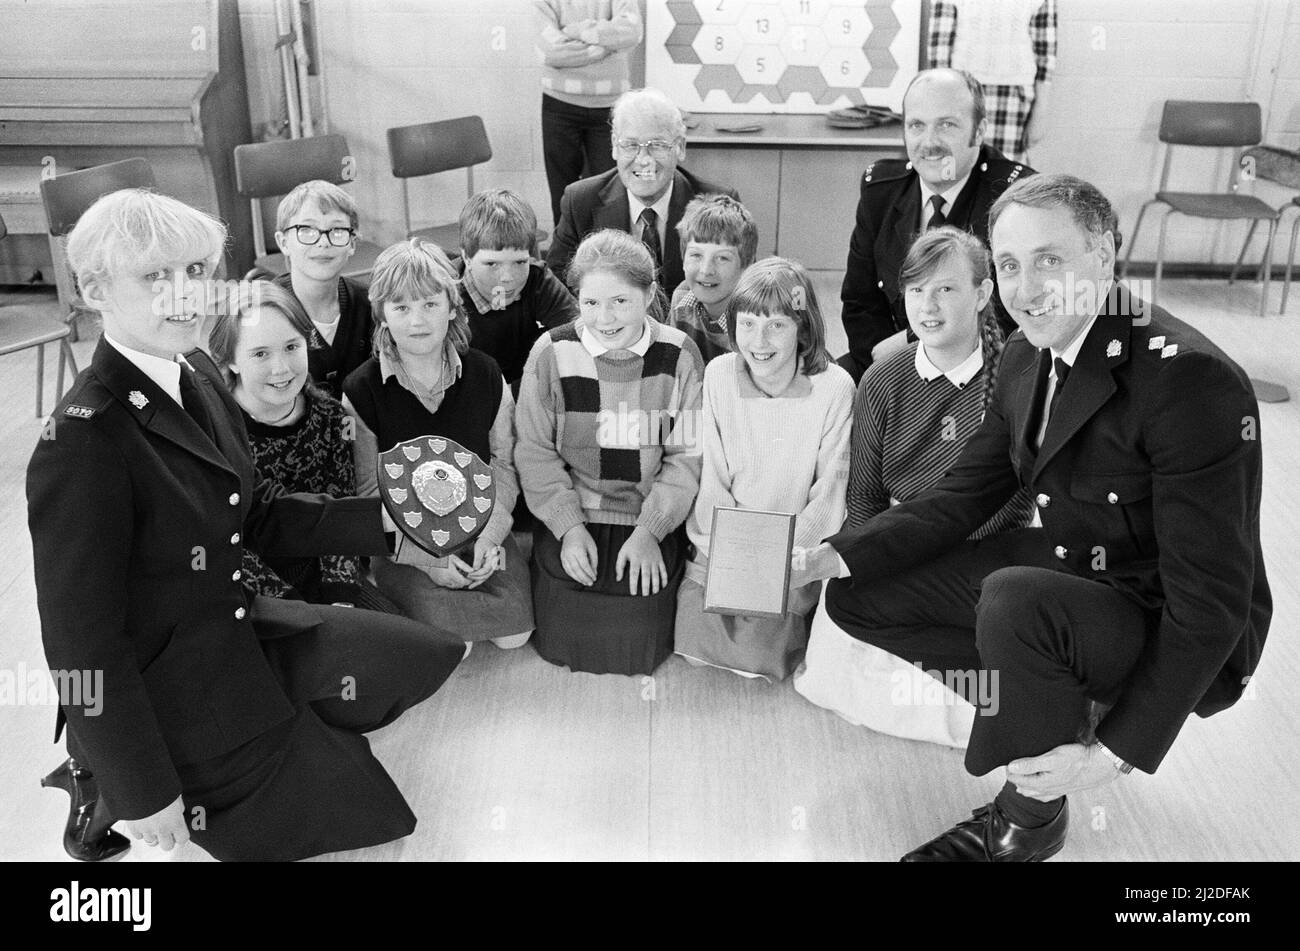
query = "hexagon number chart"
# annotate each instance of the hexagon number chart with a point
(781, 55)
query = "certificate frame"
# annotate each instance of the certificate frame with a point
(726, 530)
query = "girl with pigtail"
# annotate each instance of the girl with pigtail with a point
(915, 411)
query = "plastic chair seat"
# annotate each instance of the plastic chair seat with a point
(1202, 205)
(29, 330)
(446, 237)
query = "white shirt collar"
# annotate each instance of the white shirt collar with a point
(597, 349)
(166, 373)
(635, 206)
(1071, 353)
(949, 195)
(959, 375)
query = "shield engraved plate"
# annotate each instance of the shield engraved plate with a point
(437, 492)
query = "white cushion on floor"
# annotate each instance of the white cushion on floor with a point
(871, 687)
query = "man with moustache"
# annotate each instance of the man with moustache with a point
(1141, 599)
(951, 177)
(644, 195)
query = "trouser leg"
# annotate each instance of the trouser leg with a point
(1054, 641)
(361, 670)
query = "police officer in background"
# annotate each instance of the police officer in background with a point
(235, 722)
(951, 178)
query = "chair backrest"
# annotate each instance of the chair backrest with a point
(1219, 124)
(270, 169)
(433, 147)
(4, 230)
(66, 197)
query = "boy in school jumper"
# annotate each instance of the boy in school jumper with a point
(509, 295)
(316, 228)
(720, 239)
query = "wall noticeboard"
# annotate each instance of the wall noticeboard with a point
(799, 56)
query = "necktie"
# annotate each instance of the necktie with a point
(193, 402)
(650, 236)
(1062, 371)
(936, 219)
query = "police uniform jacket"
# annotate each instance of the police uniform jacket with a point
(1148, 480)
(888, 220)
(138, 525)
(601, 201)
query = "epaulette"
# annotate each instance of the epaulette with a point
(1009, 170)
(85, 400)
(886, 170)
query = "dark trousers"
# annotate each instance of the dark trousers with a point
(575, 144)
(1003, 605)
(310, 785)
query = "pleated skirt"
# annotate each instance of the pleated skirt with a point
(768, 647)
(499, 607)
(603, 629)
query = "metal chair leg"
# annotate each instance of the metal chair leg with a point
(40, 378)
(1268, 267)
(1160, 257)
(1232, 275)
(1290, 261)
(1132, 239)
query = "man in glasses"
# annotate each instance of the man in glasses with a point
(316, 229)
(644, 195)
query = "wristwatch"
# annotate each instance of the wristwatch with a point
(1120, 765)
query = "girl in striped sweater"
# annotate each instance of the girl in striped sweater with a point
(777, 414)
(914, 411)
(607, 420)
(912, 416)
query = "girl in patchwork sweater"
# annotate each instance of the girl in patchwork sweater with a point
(777, 415)
(607, 420)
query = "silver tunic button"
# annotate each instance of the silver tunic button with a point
(1043, 500)
(237, 575)
(234, 539)
(1060, 551)
(1112, 498)
(234, 498)
(239, 614)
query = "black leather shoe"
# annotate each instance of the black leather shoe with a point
(83, 838)
(989, 836)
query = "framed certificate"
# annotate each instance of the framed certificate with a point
(749, 562)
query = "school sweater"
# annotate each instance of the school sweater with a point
(788, 454)
(610, 436)
(908, 432)
(475, 411)
(312, 455)
(507, 335)
(597, 74)
(330, 363)
(710, 334)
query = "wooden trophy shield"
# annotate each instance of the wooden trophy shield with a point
(437, 492)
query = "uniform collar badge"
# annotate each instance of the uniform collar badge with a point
(138, 399)
(1114, 348)
(1169, 351)
(1155, 343)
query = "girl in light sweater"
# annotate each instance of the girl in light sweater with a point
(777, 414)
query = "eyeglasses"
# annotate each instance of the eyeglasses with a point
(658, 148)
(310, 235)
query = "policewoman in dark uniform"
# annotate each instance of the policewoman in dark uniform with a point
(237, 722)
(1141, 600)
(949, 166)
